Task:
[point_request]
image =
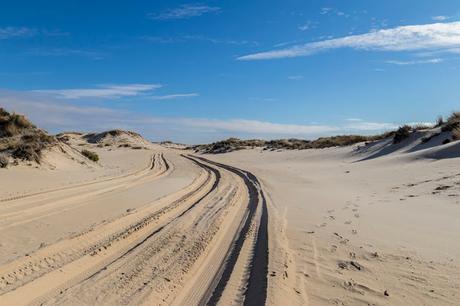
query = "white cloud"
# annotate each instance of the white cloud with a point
(415, 62)
(16, 32)
(295, 77)
(58, 52)
(326, 10)
(308, 26)
(174, 96)
(440, 18)
(437, 37)
(185, 11)
(58, 115)
(361, 125)
(257, 127)
(103, 92)
(196, 38)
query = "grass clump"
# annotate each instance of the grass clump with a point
(453, 122)
(90, 155)
(3, 161)
(456, 134)
(402, 133)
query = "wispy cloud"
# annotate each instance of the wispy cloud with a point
(295, 77)
(333, 11)
(437, 36)
(102, 92)
(196, 38)
(58, 52)
(61, 114)
(23, 32)
(16, 32)
(415, 62)
(174, 96)
(440, 18)
(258, 127)
(185, 11)
(308, 26)
(357, 124)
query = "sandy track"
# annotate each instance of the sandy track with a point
(36, 206)
(204, 244)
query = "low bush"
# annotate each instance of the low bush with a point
(402, 133)
(28, 151)
(456, 134)
(453, 122)
(90, 155)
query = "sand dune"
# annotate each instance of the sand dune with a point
(371, 224)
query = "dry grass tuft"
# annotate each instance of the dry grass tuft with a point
(20, 139)
(90, 155)
(402, 133)
(453, 122)
(3, 161)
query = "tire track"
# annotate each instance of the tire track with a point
(41, 208)
(13, 278)
(146, 256)
(256, 291)
(75, 186)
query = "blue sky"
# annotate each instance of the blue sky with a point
(201, 71)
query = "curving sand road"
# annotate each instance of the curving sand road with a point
(204, 243)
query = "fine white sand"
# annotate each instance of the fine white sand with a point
(344, 231)
(151, 227)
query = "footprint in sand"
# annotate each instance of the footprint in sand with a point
(348, 222)
(356, 215)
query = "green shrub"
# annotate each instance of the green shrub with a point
(90, 155)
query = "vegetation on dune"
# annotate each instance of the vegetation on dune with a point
(234, 144)
(90, 155)
(453, 122)
(456, 134)
(101, 137)
(20, 139)
(3, 161)
(402, 133)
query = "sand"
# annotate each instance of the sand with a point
(163, 226)
(376, 232)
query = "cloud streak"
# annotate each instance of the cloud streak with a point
(103, 92)
(58, 114)
(435, 37)
(185, 11)
(16, 32)
(174, 96)
(415, 62)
